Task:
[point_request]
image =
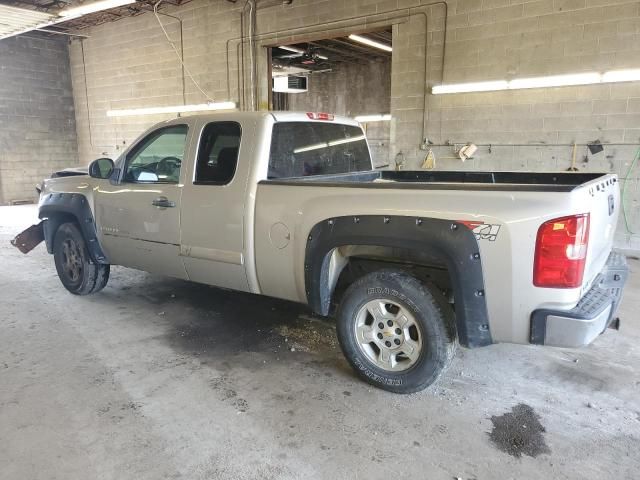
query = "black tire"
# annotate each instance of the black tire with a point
(432, 319)
(77, 272)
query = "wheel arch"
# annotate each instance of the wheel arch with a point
(333, 242)
(59, 208)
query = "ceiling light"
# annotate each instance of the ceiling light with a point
(371, 43)
(300, 51)
(621, 76)
(202, 107)
(15, 21)
(373, 118)
(290, 49)
(93, 7)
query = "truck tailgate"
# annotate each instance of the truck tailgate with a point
(601, 199)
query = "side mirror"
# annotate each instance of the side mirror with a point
(101, 168)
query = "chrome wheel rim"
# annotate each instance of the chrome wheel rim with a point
(388, 334)
(71, 260)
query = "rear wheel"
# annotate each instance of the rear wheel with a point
(77, 272)
(397, 333)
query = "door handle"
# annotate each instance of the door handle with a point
(163, 202)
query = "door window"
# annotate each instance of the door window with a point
(218, 153)
(158, 157)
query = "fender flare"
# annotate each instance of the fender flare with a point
(445, 240)
(56, 208)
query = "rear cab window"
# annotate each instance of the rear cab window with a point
(300, 149)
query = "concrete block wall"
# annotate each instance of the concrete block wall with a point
(129, 64)
(530, 129)
(37, 121)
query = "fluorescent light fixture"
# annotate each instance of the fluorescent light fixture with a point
(555, 81)
(291, 49)
(573, 79)
(202, 107)
(621, 76)
(371, 43)
(15, 20)
(93, 7)
(300, 51)
(471, 87)
(373, 118)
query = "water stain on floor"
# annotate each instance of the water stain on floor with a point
(207, 321)
(519, 432)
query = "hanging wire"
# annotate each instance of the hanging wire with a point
(627, 180)
(175, 49)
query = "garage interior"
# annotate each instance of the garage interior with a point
(156, 377)
(342, 76)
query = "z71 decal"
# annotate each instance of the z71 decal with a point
(482, 231)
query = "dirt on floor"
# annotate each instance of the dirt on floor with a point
(158, 378)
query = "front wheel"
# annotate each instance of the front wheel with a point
(396, 332)
(77, 272)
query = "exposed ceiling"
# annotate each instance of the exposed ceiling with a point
(321, 55)
(17, 20)
(51, 8)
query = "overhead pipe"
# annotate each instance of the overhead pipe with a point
(56, 32)
(86, 91)
(252, 53)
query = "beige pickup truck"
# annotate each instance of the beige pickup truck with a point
(410, 263)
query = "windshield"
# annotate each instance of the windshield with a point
(300, 149)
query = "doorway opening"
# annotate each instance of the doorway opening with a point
(349, 75)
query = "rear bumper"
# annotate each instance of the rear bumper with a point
(590, 317)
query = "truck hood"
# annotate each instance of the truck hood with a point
(70, 172)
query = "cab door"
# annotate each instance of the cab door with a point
(139, 215)
(212, 243)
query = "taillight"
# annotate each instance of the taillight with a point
(320, 116)
(561, 252)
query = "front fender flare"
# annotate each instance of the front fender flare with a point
(57, 208)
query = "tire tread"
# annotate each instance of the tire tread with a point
(442, 328)
(96, 275)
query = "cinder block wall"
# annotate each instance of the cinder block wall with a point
(37, 121)
(129, 64)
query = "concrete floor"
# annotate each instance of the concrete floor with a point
(158, 378)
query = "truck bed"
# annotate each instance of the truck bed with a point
(447, 180)
(514, 204)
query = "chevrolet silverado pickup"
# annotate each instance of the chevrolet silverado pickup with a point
(410, 263)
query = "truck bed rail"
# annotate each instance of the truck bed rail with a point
(448, 180)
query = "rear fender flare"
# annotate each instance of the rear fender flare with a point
(448, 241)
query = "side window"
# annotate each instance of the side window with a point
(158, 157)
(218, 153)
